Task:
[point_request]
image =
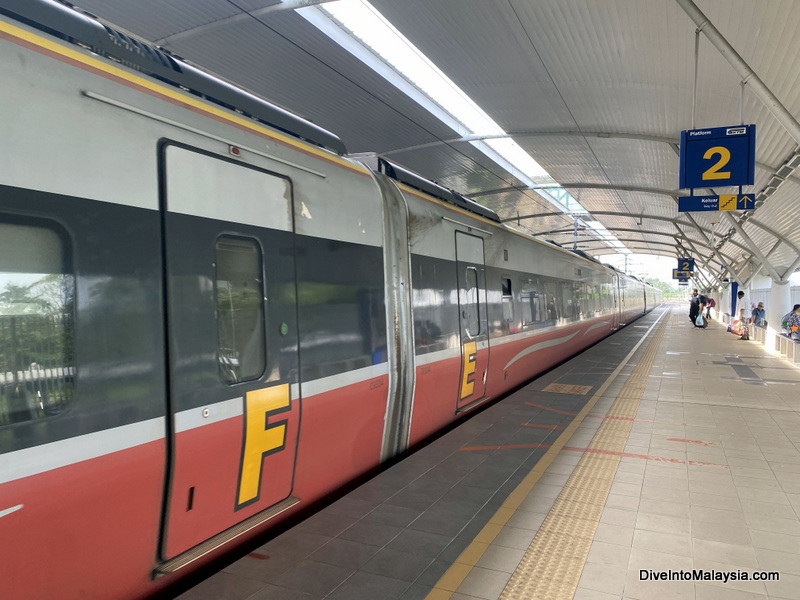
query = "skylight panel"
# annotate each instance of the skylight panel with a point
(606, 236)
(360, 29)
(364, 23)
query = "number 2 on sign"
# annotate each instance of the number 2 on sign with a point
(724, 158)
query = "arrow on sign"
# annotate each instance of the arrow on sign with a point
(745, 202)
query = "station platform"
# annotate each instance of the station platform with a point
(660, 454)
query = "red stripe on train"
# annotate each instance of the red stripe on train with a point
(89, 526)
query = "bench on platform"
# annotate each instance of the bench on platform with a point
(789, 348)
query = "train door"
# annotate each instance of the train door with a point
(232, 363)
(473, 321)
(615, 318)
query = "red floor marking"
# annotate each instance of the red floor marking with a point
(593, 451)
(645, 457)
(555, 410)
(538, 426)
(258, 555)
(699, 442)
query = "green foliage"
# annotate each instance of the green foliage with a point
(668, 290)
(35, 347)
(35, 324)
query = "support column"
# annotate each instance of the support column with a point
(733, 300)
(780, 303)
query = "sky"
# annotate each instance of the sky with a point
(644, 265)
(660, 267)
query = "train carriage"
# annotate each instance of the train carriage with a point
(211, 318)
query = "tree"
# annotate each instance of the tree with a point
(666, 288)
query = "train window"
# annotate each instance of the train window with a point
(579, 304)
(531, 303)
(37, 301)
(551, 312)
(571, 304)
(239, 289)
(508, 300)
(471, 311)
(608, 296)
(597, 303)
(554, 309)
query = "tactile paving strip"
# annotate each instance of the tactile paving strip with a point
(551, 567)
(565, 388)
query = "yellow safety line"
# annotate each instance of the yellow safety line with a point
(551, 567)
(462, 566)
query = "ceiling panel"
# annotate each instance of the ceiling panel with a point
(597, 92)
(156, 19)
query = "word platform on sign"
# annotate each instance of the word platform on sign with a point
(719, 156)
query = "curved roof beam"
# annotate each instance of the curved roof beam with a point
(535, 133)
(749, 77)
(624, 214)
(633, 240)
(697, 274)
(606, 251)
(704, 262)
(758, 224)
(714, 251)
(755, 250)
(703, 272)
(673, 142)
(726, 260)
(590, 186)
(570, 231)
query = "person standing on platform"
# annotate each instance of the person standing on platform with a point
(759, 315)
(741, 317)
(696, 304)
(742, 310)
(709, 305)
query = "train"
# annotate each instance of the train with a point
(212, 317)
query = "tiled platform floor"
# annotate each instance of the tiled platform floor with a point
(709, 479)
(729, 414)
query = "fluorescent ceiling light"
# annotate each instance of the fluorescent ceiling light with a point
(606, 236)
(361, 30)
(366, 24)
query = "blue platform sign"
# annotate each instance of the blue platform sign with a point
(721, 202)
(717, 157)
(686, 264)
(681, 275)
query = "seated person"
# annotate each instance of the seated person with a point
(791, 323)
(758, 316)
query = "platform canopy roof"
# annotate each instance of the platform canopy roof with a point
(596, 92)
